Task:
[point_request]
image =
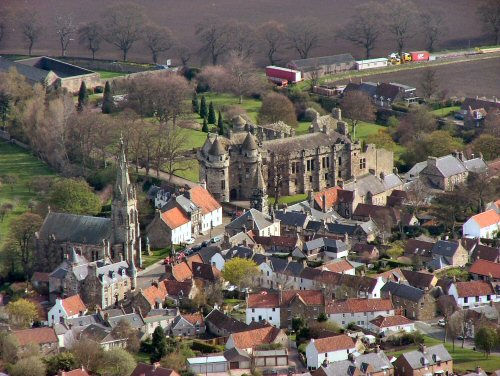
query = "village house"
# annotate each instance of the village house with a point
(418, 251)
(158, 317)
(44, 338)
(102, 336)
(263, 306)
(341, 266)
(221, 325)
(170, 227)
(155, 369)
(307, 304)
(434, 360)
(277, 244)
(485, 270)
(474, 110)
(373, 189)
(188, 325)
(322, 351)
(421, 280)
(472, 293)
(67, 308)
(447, 253)
(370, 364)
(484, 252)
(366, 253)
(358, 311)
(252, 338)
(292, 223)
(326, 249)
(414, 303)
(254, 220)
(357, 231)
(485, 225)
(391, 324)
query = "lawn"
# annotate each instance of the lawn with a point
(446, 111)
(109, 74)
(364, 129)
(463, 359)
(192, 171)
(24, 166)
(302, 128)
(290, 200)
(157, 255)
(221, 101)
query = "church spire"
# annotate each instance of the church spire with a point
(122, 179)
(259, 196)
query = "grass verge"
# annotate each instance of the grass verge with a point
(109, 74)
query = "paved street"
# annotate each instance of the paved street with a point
(155, 271)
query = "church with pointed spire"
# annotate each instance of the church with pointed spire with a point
(99, 244)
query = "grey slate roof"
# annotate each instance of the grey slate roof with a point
(134, 319)
(291, 218)
(311, 63)
(329, 245)
(373, 184)
(378, 361)
(445, 248)
(238, 251)
(403, 291)
(249, 142)
(84, 320)
(417, 359)
(186, 204)
(76, 228)
(449, 166)
(217, 148)
(222, 321)
(235, 355)
(206, 253)
(259, 219)
(32, 74)
(476, 165)
(105, 272)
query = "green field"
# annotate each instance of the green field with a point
(364, 129)
(223, 101)
(192, 171)
(446, 111)
(463, 359)
(19, 163)
(109, 74)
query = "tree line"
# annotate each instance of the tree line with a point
(125, 25)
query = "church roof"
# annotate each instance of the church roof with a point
(217, 148)
(249, 143)
(76, 228)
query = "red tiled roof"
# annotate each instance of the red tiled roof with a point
(143, 369)
(331, 197)
(38, 336)
(386, 322)
(309, 297)
(75, 372)
(73, 305)
(40, 277)
(335, 343)
(263, 300)
(174, 287)
(487, 218)
(174, 218)
(486, 268)
(203, 199)
(338, 267)
(255, 337)
(359, 305)
(194, 318)
(155, 293)
(182, 271)
(474, 288)
(194, 258)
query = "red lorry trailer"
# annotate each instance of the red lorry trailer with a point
(276, 74)
(419, 56)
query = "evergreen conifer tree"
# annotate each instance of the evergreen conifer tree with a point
(211, 114)
(205, 125)
(203, 107)
(195, 104)
(220, 124)
(159, 345)
(107, 99)
(83, 97)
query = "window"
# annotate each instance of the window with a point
(274, 309)
(466, 300)
(477, 299)
(310, 179)
(326, 176)
(308, 165)
(253, 310)
(362, 163)
(222, 184)
(340, 161)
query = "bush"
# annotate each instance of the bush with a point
(101, 178)
(328, 104)
(98, 89)
(399, 107)
(204, 348)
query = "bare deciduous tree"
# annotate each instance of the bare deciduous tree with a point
(278, 167)
(65, 29)
(277, 107)
(215, 40)
(489, 13)
(273, 34)
(365, 27)
(175, 145)
(429, 83)
(400, 21)
(169, 97)
(184, 54)
(243, 77)
(304, 35)
(433, 29)
(122, 26)
(31, 28)
(243, 39)
(90, 36)
(357, 106)
(158, 40)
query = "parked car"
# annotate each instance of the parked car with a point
(205, 243)
(196, 247)
(442, 322)
(190, 241)
(216, 239)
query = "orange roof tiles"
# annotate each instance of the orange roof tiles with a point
(309, 297)
(194, 318)
(359, 305)
(338, 267)
(73, 305)
(331, 197)
(263, 300)
(203, 199)
(75, 372)
(386, 322)
(182, 271)
(255, 337)
(174, 218)
(335, 343)
(155, 293)
(38, 336)
(474, 288)
(486, 268)
(487, 218)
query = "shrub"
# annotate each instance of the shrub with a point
(98, 89)
(204, 348)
